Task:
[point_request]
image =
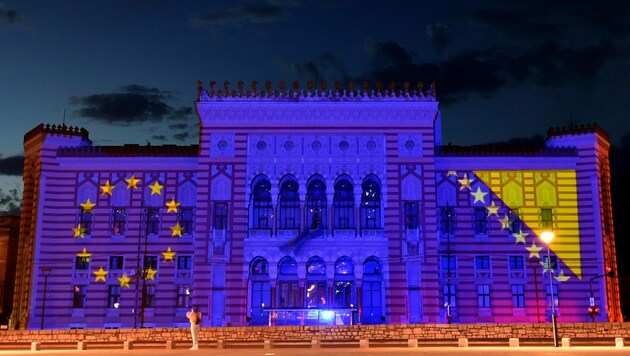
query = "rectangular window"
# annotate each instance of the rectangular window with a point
(183, 295)
(79, 296)
(411, 215)
(482, 263)
(447, 220)
(153, 221)
(483, 293)
(316, 296)
(546, 219)
(186, 220)
(220, 216)
(85, 219)
(449, 262)
(518, 296)
(184, 262)
(289, 211)
(449, 293)
(554, 263)
(119, 221)
(81, 263)
(481, 221)
(515, 263)
(515, 221)
(113, 296)
(556, 298)
(289, 295)
(151, 262)
(149, 296)
(116, 262)
(344, 217)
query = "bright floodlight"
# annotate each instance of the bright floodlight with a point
(547, 236)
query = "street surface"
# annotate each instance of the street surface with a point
(379, 351)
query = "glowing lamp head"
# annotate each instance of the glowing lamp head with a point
(547, 236)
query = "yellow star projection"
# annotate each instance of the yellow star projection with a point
(534, 251)
(169, 254)
(562, 277)
(479, 195)
(84, 254)
(79, 231)
(451, 173)
(124, 280)
(177, 230)
(465, 182)
(505, 222)
(132, 182)
(150, 274)
(172, 206)
(156, 188)
(88, 205)
(107, 188)
(493, 209)
(100, 274)
(520, 237)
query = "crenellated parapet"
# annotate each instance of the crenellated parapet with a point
(352, 92)
(130, 150)
(61, 130)
(574, 130)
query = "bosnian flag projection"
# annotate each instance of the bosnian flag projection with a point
(525, 194)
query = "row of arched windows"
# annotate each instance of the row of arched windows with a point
(315, 213)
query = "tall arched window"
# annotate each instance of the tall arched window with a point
(343, 204)
(372, 301)
(371, 203)
(316, 287)
(260, 292)
(288, 294)
(344, 283)
(316, 204)
(261, 211)
(289, 204)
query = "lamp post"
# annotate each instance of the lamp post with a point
(534, 263)
(45, 272)
(547, 237)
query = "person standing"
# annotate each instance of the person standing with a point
(194, 315)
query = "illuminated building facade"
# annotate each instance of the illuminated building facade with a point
(314, 207)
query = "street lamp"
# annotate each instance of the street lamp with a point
(45, 272)
(547, 237)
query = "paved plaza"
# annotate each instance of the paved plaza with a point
(383, 351)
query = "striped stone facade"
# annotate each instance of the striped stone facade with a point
(428, 233)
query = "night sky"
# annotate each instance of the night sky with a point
(127, 70)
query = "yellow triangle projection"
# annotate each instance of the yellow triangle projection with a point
(566, 244)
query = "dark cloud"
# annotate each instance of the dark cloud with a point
(534, 141)
(11, 17)
(180, 126)
(246, 12)
(439, 35)
(487, 71)
(10, 202)
(327, 66)
(181, 136)
(561, 19)
(159, 137)
(12, 166)
(133, 103)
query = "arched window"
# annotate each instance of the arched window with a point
(260, 291)
(316, 286)
(371, 204)
(372, 300)
(344, 283)
(343, 204)
(288, 295)
(316, 204)
(261, 211)
(289, 205)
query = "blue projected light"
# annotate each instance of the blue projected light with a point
(327, 314)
